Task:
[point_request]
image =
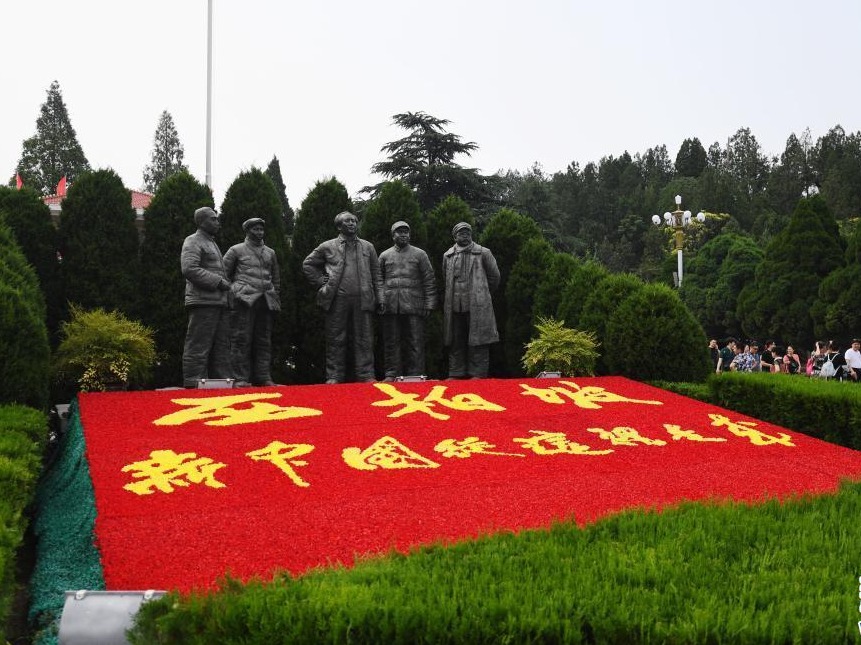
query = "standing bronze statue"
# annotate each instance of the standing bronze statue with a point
(207, 346)
(346, 272)
(409, 295)
(252, 268)
(469, 324)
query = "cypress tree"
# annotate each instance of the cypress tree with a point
(394, 202)
(99, 244)
(526, 274)
(167, 154)
(606, 294)
(576, 290)
(273, 170)
(548, 293)
(167, 222)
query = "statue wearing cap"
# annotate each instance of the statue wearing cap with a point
(469, 325)
(252, 268)
(206, 353)
(409, 295)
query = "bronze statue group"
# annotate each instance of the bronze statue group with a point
(231, 301)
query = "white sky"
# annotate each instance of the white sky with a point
(316, 82)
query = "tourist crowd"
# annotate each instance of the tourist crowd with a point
(825, 360)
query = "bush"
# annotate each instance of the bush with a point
(559, 349)
(100, 348)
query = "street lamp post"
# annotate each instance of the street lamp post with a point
(678, 220)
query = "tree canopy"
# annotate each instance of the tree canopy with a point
(167, 154)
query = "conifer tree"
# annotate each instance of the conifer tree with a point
(53, 152)
(605, 296)
(395, 202)
(98, 242)
(167, 154)
(167, 221)
(287, 214)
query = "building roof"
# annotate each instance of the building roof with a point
(139, 200)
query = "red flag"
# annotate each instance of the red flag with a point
(61, 187)
(18, 181)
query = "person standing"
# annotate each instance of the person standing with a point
(727, 353)
(409, 296)
(346, 272)
(469, 324)
(853, 360)
(252, 268)
(206, 353)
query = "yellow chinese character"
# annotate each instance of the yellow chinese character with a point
(166, 469)
(747, 429)
(589, 397)
(556, 443)
(677, 433)
(412, 403)
(283, 456)
(624, 436)
(386, 453)
(220, 410)
(468, 447)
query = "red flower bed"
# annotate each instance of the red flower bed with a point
(190, 484)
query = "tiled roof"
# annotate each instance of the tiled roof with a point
(140, 200)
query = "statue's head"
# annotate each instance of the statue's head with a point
(401, 234)
(347, 223)
(462, 233)
(207, 220)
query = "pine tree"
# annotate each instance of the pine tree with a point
(53, 152)
(167, 154)
(274, 172)
(167, 221)
(99, 244)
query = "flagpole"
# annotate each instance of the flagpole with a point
(209, 94)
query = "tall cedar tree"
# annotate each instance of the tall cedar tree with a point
(30, 220)
(53, 152)
(167, 222)
(287, 214)
(252, 194)
(651, 335)
(505, 234)
(167, 154)
(98, 242)
(315, 223)
(527, 273)
(425, 161)
(779, 301)
(24, 350)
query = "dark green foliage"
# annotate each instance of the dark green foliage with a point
(168, 221)
(837, 168)
(825, 409)
(252, 194)
(778, 303)
(715, 276)
(30, 220)
(99, 244)
(505, 234)
(25, 354)
(167, 154)
(652, 335)
(273, 170)
(315, 223)
(705, 573)
(394, 202)
(574, 293)
(548, 294)
(424, 161)
(837, 310)
(600, 299)
(691, 159)
(526, 275)
(53, 152)
(23, 434)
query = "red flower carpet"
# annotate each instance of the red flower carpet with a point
(191, 484)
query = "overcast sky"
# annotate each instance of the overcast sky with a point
(316, 83)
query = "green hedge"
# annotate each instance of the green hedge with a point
(23, 433)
